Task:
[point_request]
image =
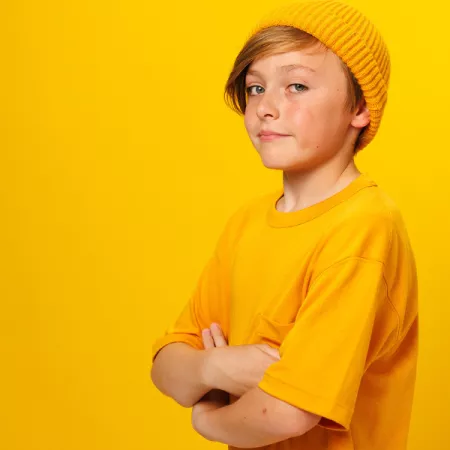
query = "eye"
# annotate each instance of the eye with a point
(259, 89)
(298, 87)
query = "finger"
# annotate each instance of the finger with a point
(208, 341)
(270, 351)
(217, 334)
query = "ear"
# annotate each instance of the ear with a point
(361, 116)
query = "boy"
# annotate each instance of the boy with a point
(306, 314)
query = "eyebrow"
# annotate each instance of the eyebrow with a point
(287, 68)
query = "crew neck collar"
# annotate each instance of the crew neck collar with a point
(280, 219)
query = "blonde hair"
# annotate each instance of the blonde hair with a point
(274, 40)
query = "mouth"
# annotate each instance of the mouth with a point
(271, 137)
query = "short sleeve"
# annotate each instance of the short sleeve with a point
(323, 357)
(206, 305)
(209, 301)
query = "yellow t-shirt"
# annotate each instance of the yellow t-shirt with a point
(334, 286)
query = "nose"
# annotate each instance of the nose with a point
(268, 106)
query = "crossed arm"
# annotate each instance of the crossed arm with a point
(255, 419)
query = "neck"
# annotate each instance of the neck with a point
(304, 189)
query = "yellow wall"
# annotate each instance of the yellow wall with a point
(120, 164)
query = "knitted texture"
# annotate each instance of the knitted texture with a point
(351, 36)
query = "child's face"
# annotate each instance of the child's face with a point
(306, 105)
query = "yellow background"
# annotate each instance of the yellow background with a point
(120, 164)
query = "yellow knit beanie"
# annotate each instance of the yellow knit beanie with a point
(352, 37)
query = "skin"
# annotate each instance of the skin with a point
(187, 374)
(317, 160)
(256, 419)
(307, 105)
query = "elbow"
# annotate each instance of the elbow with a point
(154, 377)
(179, 397)
(297, 422)
(184, 401)
(288, 421)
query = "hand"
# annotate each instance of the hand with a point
(213, 337)
(235, 369)
(215, 398)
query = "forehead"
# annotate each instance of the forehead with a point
(308, 61)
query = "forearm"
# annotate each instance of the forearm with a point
(255, 420)
(178, 372)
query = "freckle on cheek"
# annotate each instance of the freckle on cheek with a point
(264, 410)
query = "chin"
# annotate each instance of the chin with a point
(277, 164)
(274, 167)
(281, 157)
(278, 158)
(293, 161)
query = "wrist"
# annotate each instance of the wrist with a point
(209, 368)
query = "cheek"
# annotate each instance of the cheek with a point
(314, 117)
(246, 119)
(302, 117)
(249, 119)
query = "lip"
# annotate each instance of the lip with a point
(269, 133)
(270, 136)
